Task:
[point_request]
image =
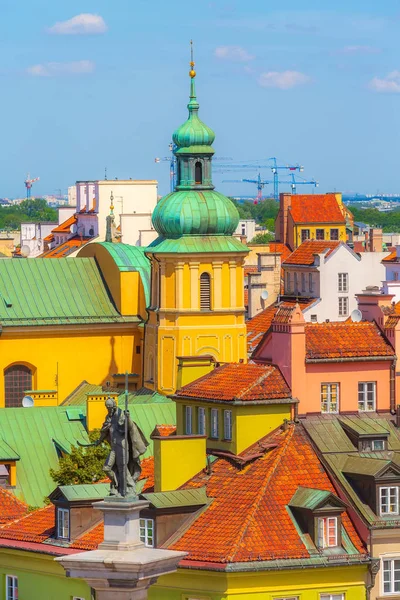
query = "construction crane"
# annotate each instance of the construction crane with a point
(261, 183)
(300, 181)
(28, 184)
(275, 171)
(172, 166)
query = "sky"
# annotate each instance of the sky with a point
(89, 84)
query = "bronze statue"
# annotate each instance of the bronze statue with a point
(127, 443)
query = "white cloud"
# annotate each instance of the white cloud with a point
(283, 80)
(388, 84)
(85, 23)
(233, 53)
(54, 69)
(359, 50)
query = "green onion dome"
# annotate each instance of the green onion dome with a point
(192, 212)
(193, 136)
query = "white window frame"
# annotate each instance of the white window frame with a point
(310, 282)
(201, 421)
(332, 597)
(391, 560)
(303, 282)
(214, 433)
(343, 283)
(324, 534)
(377, 442)
(228, 425)
(14, 587)
(144, 526)
(343, 306)
(286, 598)
(188, 420)
(368, 387)
(389, 489)
(63, 530)
(328, 399)
(296, 284)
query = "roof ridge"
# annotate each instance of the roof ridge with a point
(279, 453)
(29, 514)
(263, 376)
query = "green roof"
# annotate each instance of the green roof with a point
(6, 452)
(78, 396)
(143, 396)
(368, 426)
(32, 433)
(54, 291)
(131, 258)
(365, 464)
(328, 434)
(309, 498)
(197, 244)
(88, 491)
(178, 498)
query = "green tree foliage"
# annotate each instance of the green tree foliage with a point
(263, 213)
(82, 465)
(388, 221)
(262, 238)
(36, 210)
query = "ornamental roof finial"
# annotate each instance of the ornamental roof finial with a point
(192, 72)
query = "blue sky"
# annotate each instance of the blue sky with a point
(89, 84)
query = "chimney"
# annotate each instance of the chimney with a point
(366, 241)
(285, 201)
(370, 304)
(376, 240)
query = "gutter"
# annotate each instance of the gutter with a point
(393, 386)
(236, 402)
(348, 359)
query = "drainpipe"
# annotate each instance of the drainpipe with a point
(393, 387)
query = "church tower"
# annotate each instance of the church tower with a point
(196, 313)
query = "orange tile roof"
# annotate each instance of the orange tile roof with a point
(66, 226)
(237, 382)
(36, 526)
(346, 340)
(246, 296)
(359, 247)
(279, 248)
(248, 519)
(10, 507)
(90, 539)
(392, 257)
(164, 430)
(250, 269)
(305, 253)
(49, 238)
(66, 248)
(316, 208)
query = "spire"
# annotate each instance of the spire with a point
(110, 220)
(193, 104)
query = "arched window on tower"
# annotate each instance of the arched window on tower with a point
(17, 379)
(205, 291)
(198, 172)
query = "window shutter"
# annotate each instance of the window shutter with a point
(205, 291)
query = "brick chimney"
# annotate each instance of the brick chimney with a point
(285, 201)
(376, 240)
(370, 303)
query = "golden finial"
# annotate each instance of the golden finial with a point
(111, 202)
(192, 72)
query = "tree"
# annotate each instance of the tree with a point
(262, 238)
(82, 465)
(36, 210)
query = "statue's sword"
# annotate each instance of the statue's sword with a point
(85, 445)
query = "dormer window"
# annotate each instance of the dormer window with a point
(389, 500)
(372, 445)
(63, 523)
(327, 532)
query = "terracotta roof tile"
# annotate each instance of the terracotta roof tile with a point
(250, 269)
(279, 248)
(238, 382)
(90, 539)
(66, 248)
(164, 430)
(10, 507)
(345, 340)
(36, 526)
(392, 257)
(305, 253)
(49, 238)
(65, 227)
(316, 208)
(248, 519)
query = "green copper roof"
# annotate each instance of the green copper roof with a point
(131, 258)
(88, 491)
(309, 498)
(54, 291)
(192, 212)
(142, 396)
(193, 137)
(178, 498)
(187, 244)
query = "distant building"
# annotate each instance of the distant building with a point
(246, 228)
(33, 237)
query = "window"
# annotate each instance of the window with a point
(287, 598)
(77, 598)
(343, 306)
(296, 286)
(198, 172)
(303, 282)
(243, 229)
(188, 420)
(63, 523)
(137, 349)
(310, 282)
(288, 282)
(395, 276)
(327, 532)
(314, 319)
(391, 576)
(330, 398)
(201, 420)
(214, 423)
(334, 234)
(146, 527)
(305, 235)
(343, 282)
(378, 445)
(227, 424)
(389, 500)
(205, 291)
(319, 234)
(11, 587)
(17, 379)
(331, 597)
(370, 445)
(366, 395)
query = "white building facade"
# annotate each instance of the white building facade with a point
(391, 284)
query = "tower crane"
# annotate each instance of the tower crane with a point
(172, 166)
(28, 184)
(300, 181)
(261, 183)
(275, 171)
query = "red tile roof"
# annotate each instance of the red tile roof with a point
(248, 519)
(305, 253)
(237, 382)
(392, 257)
(49, 238)
(279, 248)
(10, 507)
(346, 340)
(164, 430)
(359, 247)
(36, 526)
(90, 539)
(250, 269)
(316, 208)
(66, 226)
(66, 248)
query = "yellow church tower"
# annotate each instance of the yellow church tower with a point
(196, 312)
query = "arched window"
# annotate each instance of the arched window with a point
(205, 291)
(17, 379)
(198, 172)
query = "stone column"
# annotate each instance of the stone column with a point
(122, 568)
